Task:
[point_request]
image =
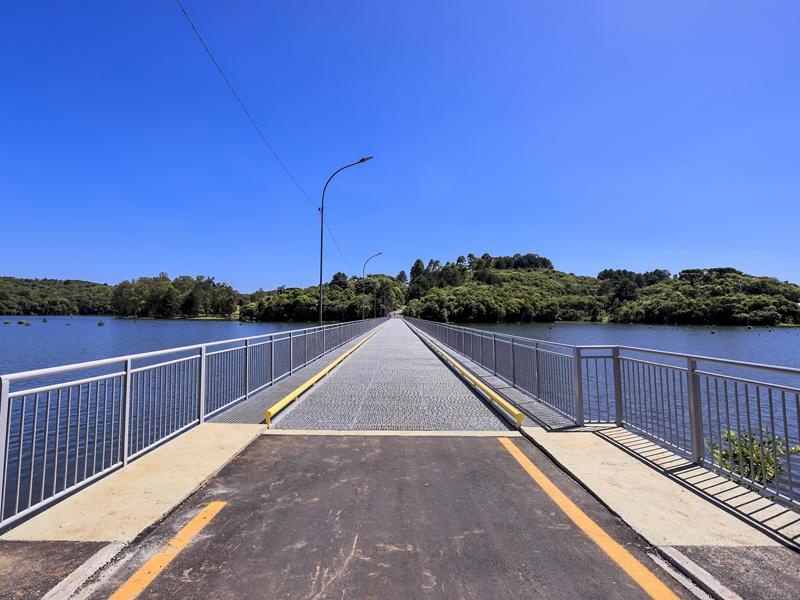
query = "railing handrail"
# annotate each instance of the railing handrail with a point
(100, 362)
(786, 370)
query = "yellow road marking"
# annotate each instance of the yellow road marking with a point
(493, 396)
(302, 388)
(651, 584)
(151, 569)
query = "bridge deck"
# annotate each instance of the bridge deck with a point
(393, 382)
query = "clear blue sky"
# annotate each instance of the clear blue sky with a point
(600, 134)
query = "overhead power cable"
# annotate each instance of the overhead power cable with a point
(260, 133)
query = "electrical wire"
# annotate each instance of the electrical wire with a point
(260, 133)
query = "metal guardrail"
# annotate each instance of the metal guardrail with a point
(63, 427)
(739, 418)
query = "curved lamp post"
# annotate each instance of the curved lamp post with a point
(322, 224)
(363, 270)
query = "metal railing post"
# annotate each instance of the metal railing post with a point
(126, 419)
(202, 399)
(617, 367)
(494, 353)
(577, 375)
(538, 387)
(247, 368)
(513, 367)
(305, 348)
(271, 359)
(5, 389)
(291, 353)
(695, 410)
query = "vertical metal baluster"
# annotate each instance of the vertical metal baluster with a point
(247, 368)
(66, 438)
(111, 460)
(751, 473)
(513, 367)
(738, 428)
(105, 426)
(305, 348)
(21, 453)
(727, 406)
(786, 447)
(94, 441)
(272, 359)
(719, 412)
(201, 400)
(78, 432)
(761, 436)
(57, 446)
(125, 409)
(291, 353)
(46, 439)
(33, 446)
(773, 434)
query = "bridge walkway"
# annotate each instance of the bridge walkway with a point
(393, 382)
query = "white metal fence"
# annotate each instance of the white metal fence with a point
(739, 418)
(63, 427)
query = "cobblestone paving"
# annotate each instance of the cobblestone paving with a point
(393, 382)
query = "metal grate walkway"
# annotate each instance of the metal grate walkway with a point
(393, 382)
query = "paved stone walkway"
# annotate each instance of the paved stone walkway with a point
(393, 382)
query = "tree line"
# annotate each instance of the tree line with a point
(345, 299)
(470, 289)
(526, 288)
(157, 297)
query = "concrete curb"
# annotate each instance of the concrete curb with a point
(702, 578)
(72, 583)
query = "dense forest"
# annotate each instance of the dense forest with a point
(527, 288)
(159, 297)
(165, 298)
(471, 289)
(54, 297)
(345, 299)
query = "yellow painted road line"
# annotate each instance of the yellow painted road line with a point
(302, 388)
(496, 398)
(651, 584)
(151, 569)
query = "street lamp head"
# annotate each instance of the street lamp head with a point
(365, 159)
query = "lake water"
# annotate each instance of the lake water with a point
(776, 346)
(63, 340)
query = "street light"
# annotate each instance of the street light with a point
(322, 225)
(363, 269)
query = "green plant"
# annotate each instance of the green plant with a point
(755, 457)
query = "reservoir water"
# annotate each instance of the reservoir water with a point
(63, 340)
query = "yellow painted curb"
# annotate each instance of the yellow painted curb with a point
(304, 387)
(489, 392)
